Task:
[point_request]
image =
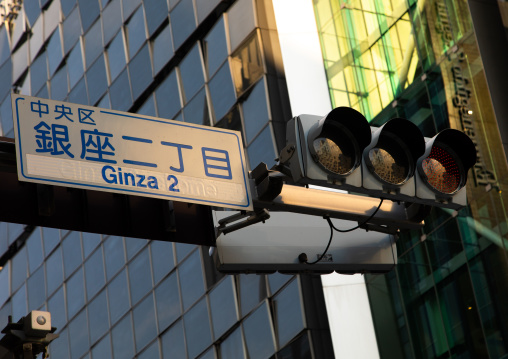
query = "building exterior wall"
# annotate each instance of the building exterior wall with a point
(207, 62)
(420, 60)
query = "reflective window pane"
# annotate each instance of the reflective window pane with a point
(197, 329)
(60, 348)
(196, 110)
(103, 349)
(120, 92)
(215, 48)
(148, 108)
(182, 250)
(223, 307)
(6, 114)
(152, 352)
(78, 335)
(116, 56)
(222, 92)
(35, 252)
(136, 32)
(19, 303)
(5, 79)
(5, 292)
(72, 256)
(241, 21)
(259, 333)
(32, 11)
(36, 289)
(93, 43)
(90, 242)
(94, 272)
(114, 255)
(232, 346)
(168, 97)
(182, 21)
(71, 30)
(19, 61)
(252, 291)
(111, 20)
(67, 6)
(140, 69)
(19, 269)
(301, 345)
(247, 65)
(140, 276)
(128, 7)
(5, 50)
(79, 94)
(60, 84)
(75, 65)
(262, 148)
(55, 52)
(51, 17)
(123, 340)
(75, 293)
(191, 279)
(162, 49)
(156, 12)
(255, 111)
(118, 293)
(167, 297)
(89, 10)
(276, 281)
(288, 313)
(36, 38)
(43, 92)
(173, 342)
(54, 270)
(98, 316)
(51, 238)
(162, 259)
(133, 246)
(232, 121)
(145, 328)
(204, 7)
(191, 72)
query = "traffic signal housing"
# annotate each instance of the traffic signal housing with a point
(389, 161)
(328, 150)
(394, 161)
(442, 170)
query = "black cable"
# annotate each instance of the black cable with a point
(358, 226)
(303, 257)
(322, 255)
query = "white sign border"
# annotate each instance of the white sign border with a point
(20, 158)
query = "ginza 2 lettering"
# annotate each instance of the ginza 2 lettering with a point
(52, 137)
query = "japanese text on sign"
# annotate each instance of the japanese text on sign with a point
(85, 147)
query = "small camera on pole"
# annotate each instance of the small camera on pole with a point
(28, 337)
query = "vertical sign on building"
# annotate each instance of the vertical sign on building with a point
(86, 147)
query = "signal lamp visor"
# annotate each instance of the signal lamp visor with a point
(332, 157)
(390, 162)
(442, 170)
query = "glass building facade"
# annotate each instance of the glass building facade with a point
(208, 62)
(419, 60)
(219, 63)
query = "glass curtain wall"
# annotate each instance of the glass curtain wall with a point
(419, 60)
(205, 62)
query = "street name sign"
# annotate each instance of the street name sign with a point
(79, 146)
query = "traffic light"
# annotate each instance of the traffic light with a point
(394, 161)
(389, 161)
(443, 169)
(328, 150)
